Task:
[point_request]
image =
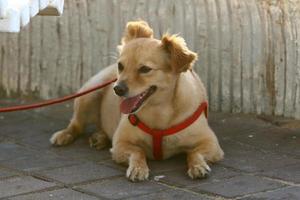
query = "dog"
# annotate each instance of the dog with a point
(156, 90)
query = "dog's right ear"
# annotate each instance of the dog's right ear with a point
(136, 29)
(181, 58)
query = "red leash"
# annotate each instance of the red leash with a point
(55, 101)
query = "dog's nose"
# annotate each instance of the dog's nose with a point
(121, 89)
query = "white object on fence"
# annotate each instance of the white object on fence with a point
(15, 14)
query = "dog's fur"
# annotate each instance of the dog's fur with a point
(179, 93)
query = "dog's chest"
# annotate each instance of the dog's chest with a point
(170, 145)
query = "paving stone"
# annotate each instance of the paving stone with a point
(5, 173)
(61, 194)
(288, 173)
(37, 162)
(81, 173)
(80, 150)
(12, 117)
(290, 193)
(247, 158)
(177, 161)
(230, 125)
(9, 150)
(33, 126)
(121, 188)
(250, 145)
(62, 111)
(171, 195)
(180, 178)
(274, 139)
(238, 186)
(19, 185)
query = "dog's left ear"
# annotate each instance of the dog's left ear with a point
(181, 58)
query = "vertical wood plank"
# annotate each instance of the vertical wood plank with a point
(289, 33)
(225, 56)
(257, 55)
(236, 59)
(85, 54)
(279, 57)
(24, 51)
(63, 60)
(49, 56)
(214, 59)
(201, 40)
(246, 67)
(74, 51)
(35, 54)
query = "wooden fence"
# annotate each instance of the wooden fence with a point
(249, 55)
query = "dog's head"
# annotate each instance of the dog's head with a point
(147, 67)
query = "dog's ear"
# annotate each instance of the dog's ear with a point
(181, 58)
(136, 29)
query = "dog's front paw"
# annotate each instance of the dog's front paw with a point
(198, 171)
(61, 138)
(137, 172)
(98, 141)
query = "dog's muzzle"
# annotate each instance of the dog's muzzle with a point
(121, 89)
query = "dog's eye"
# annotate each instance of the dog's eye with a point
(120, 67)
(144, 69)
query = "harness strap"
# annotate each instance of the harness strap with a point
(157, 135)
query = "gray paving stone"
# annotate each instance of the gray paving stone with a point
(171, 195)
(61, 194)
(81, 173)
(288, 193)
(6, 173)
(33, 126)
(61, 112)
(121, 188)
(9, 150)
(180, 178)
(230, 125)
(80, 150)
(250, 145)
(247, 158)
(178, 161)
(12, 117)
(37, 162)
(273, 138)
(288, 173)
(19, 185)
(238, 186)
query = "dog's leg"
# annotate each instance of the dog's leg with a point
(99, 140)
(68, 135)
(208, 150)
(86, 111)
(135, 157)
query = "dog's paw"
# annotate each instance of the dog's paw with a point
(61, 138)
(98, 141)
(199, 171)
(137, 173)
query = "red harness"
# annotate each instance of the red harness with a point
(157, 135)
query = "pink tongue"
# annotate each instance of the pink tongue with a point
(127, 105)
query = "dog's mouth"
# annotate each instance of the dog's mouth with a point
(132, 104)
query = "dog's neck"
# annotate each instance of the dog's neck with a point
(177, 104)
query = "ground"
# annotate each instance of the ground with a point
(262, 161)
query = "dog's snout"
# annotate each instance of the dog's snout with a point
(121, 89)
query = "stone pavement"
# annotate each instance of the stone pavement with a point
(262, 161)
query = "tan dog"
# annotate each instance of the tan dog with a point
(157, 83)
